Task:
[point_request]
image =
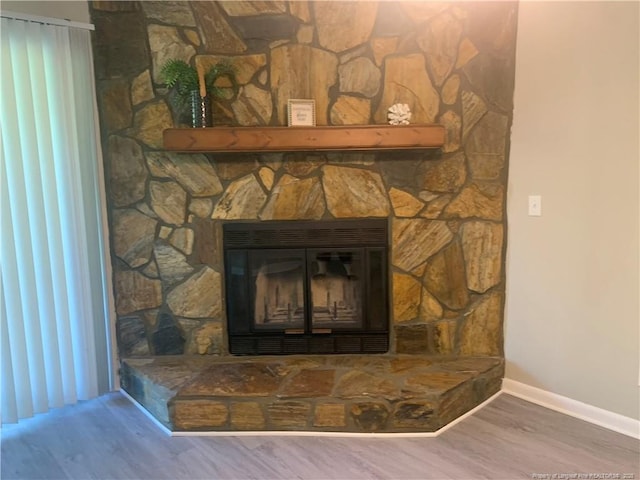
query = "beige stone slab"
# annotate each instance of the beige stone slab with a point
(356, 384)
(288, 414)
(247, 416)
(199, 414)
(309, 383)
(435, 382)
(370, 416)
(408, 364)
(329, 415)
(245, 379)
(420, 414)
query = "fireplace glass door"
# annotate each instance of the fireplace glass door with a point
(336, 289)
(277, 278)
(306, 287)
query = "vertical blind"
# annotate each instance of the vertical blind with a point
(53, 298)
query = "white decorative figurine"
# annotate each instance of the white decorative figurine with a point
(399, 114)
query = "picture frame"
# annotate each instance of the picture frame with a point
(302, 113)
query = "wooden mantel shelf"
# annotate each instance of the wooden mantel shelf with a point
(288, 139)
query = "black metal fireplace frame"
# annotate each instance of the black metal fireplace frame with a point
(369, 235)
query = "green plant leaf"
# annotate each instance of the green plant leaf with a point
(180, 75)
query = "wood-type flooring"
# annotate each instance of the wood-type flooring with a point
(109, 438)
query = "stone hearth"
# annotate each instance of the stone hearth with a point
(344, 393)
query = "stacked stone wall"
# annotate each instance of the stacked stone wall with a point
(452, 63)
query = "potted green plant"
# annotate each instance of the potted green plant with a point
(193, 89)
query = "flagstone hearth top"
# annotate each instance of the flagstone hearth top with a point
(347, 393)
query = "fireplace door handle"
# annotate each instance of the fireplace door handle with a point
(325, 331)
(294, 331)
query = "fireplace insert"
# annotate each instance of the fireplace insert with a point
(297, 287)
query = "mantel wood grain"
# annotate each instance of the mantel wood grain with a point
(287, 139)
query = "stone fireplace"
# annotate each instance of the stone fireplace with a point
(452, 63)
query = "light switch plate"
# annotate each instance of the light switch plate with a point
(535, 205)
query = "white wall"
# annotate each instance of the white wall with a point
(572, 313)
(76, 11)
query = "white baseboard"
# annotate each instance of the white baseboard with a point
(589, 413)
